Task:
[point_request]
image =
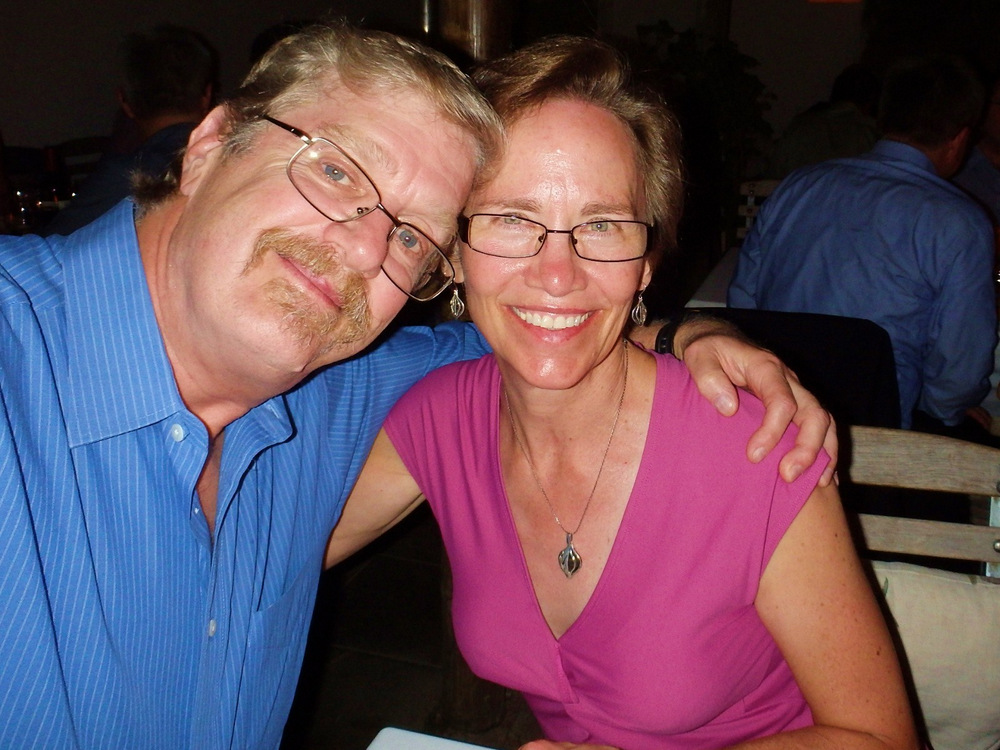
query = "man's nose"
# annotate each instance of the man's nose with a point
(363, 241)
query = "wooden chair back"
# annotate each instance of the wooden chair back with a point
(913, 460)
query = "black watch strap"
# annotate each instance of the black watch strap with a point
(665, 336)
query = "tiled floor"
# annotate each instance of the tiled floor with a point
(378, 654)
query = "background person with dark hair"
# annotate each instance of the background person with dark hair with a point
(169, 82)
(886, 237)
(843, 126)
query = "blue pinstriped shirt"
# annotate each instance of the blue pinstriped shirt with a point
(122, 625)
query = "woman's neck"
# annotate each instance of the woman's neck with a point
(550, 414)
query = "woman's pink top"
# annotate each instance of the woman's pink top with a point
(669, 652)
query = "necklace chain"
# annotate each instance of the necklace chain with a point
(569, 559)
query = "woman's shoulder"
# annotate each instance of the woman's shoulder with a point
(676, 389)
(683, 412)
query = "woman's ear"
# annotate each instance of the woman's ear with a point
(456, 261)
(203, 147)
(647, 274)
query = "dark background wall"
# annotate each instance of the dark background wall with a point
(57, 60)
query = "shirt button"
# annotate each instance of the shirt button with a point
(177, 433)
(197, 510)
(211, 628)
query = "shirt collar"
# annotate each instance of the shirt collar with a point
(899, 151)
(120, 378)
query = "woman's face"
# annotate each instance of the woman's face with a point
(554, 317)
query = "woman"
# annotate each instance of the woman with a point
(615, 555)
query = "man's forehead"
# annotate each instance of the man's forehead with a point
(365, 146)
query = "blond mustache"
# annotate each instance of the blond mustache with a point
(309, 322)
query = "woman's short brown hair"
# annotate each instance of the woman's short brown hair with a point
(570, 67)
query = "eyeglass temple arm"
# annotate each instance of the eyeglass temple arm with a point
(304, 137)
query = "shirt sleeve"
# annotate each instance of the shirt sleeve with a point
(743, 287)
(962, 329)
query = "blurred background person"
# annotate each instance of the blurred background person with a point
(886, 237)
(843, 126)
(980, 178)
(980, 175)
(169, 76)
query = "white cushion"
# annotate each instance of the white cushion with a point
(949, 624)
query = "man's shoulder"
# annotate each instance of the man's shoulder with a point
(876, 181)
(820, 177)
(29, 268)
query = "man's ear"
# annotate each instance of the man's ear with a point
(962, 140)
(203, 148)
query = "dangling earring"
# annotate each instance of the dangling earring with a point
(639, 311)
(455, 305)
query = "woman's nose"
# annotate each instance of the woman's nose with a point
(557, 264)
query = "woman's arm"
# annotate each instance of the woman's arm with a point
(384, 495)
(819, 607)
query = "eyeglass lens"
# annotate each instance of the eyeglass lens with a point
(339, 189)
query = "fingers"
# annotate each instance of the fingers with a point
(832, 447)
(980, 416)
(720, 363)
(817, 430)
(780, 409)
(708, 374)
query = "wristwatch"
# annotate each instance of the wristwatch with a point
(665, 336)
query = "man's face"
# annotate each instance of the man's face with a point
(263, 275)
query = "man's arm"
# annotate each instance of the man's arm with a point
(961, 331)
(384, 495)
(721, 359)
(742, 291)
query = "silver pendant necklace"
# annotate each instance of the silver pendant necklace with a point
(569, 559)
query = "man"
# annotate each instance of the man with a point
(980, 178)
(168, 86)
(886, 237)
(174, 450)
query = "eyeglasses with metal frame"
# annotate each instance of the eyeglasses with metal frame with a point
(511, 236)
(334, 184)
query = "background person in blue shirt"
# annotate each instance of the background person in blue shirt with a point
(168, 85)
(174, 449)
(886, 237)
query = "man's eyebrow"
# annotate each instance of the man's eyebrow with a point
(366, 151)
